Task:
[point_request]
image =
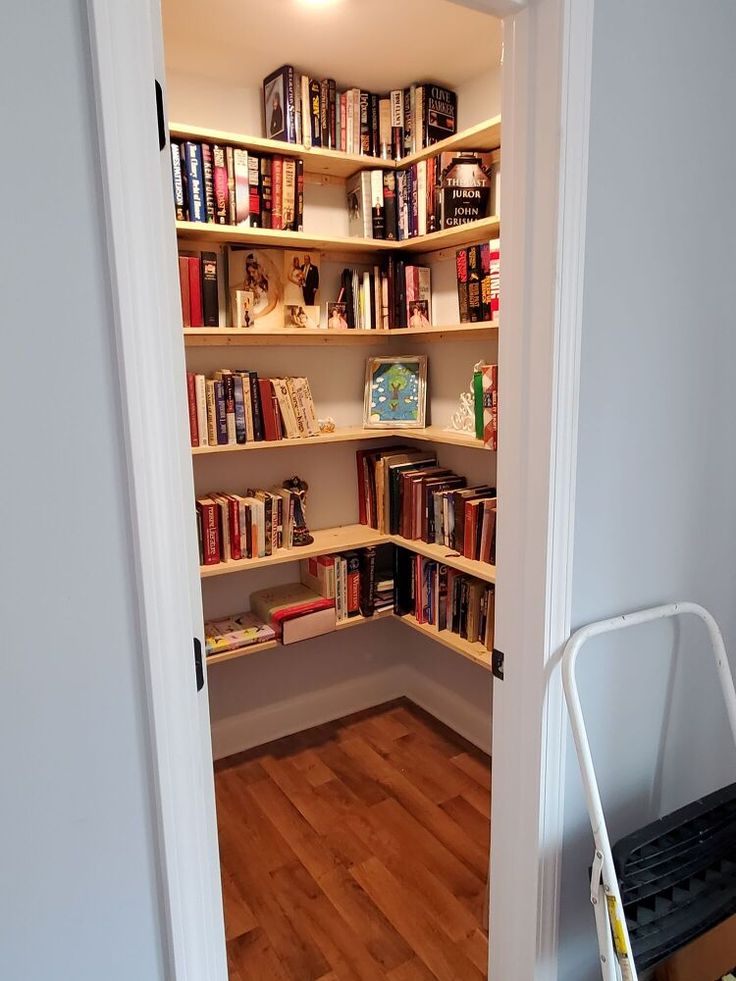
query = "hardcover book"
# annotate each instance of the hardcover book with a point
(231, 633)
(279, 107)
(465, 187)
(315, 117)
(210, 308)
(360, 219)
(180, 209)
(242, 192)
(195, 183)
(219, 180)
(461, 271)
(207, 177)
(439, 114)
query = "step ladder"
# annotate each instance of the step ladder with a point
(670, 882)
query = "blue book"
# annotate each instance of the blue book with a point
(220, 412)
(195, 182)
(240, 431)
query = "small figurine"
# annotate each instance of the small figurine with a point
(326, 425)
(298, 489)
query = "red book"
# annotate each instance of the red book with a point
(271, 424)
(195, 291)
(210, 531)
(277, 176)
(192, 402)
(233, 507)
(219, 180)
(186, 309)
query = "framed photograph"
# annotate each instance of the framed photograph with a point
(301, 278)
(419, 314)
(395, 392)
(296, 315)
(337, 316)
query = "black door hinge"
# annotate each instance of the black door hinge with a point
(497, 659)
(160, 115)
(198, 666)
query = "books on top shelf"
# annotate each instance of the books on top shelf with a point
(312, 112)
(241, 630)
(442, 597)
(403, 491)
(244, 526)
(226, 185)
(238, 407)
(294, 611)
(479, 282)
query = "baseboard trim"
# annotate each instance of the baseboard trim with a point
(237, 733)
(446, 705)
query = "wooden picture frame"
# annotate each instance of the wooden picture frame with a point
(395, 392)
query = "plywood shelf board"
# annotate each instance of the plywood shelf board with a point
(474, 652)
(233, 336)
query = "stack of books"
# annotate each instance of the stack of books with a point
(294, 611)
(244, 526)
(238, 407)
(200, 282)
(443, 191)
(225, 185)
(241, 630)
(403, 491)
(312, 112)
(444, 598)
(479, 282)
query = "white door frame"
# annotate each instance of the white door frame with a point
(545, 140)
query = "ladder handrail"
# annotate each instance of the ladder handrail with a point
(608, 883)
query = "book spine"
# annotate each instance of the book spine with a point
(195, 189)
(269, 422)
(375, 136)
(179, 203)
(461, 271)
(377, 219)
(255, 394)
(298, 108)
(408, 123)
(333, 112)
(343, 121)
(229, 385)
(242, 194)
(220, 412)
(365, 132)
(211, 413)
(422, 197)
(419, 136)
(290, 105)
(207, 178)
(240, 430)
(414, 217)
(192, 405)
(288, 199)
(277, 176)
(474, 305)
(235, 534)
(219, 180)
(195, 290)
(186, 306)
(495, 277)
(349, 122)
(385, 146)
(210, 532)
(210, 307)
(314, 112)
(230, 170)
(266, 192)
(401, 206)
(324, 113)
(254, 190)
(485, 281)
(352, 592)
(183, 166)
(299, 218)
(397, 123)
(306, 113)
(200, 394)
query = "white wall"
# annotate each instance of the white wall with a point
(655, 518)
(79, 896)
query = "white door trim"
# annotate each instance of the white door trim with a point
(145, 299)
(547, 77)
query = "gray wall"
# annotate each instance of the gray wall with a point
(655, 513)
(78, 896)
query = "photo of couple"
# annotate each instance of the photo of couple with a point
(301, 278)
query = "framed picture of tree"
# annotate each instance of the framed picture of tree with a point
(395, 392)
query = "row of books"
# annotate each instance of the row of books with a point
(479, 282)
(444, 191)
(404, 491)
(237, 407)
(485, 404)
(396, 293)
(199, 289)
(312, 112)
(360, 581)
(444, 598)
(225, 185)
(244, 526)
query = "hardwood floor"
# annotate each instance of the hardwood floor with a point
(358, 849)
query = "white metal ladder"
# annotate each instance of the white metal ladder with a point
(617, 961)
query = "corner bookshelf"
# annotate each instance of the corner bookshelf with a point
(335, 167)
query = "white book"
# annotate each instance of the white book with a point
(356, 120)
(200, 391)
(306, 117)
(258, 518)
(366, 296)
(422, 197)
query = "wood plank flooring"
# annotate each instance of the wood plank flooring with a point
(356, 850)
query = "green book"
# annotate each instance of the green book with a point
(478, 401)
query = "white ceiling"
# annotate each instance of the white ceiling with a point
(357, 42)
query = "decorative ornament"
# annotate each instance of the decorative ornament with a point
(298, 489)
(327, 425)
(463, 418)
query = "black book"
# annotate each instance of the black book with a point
(474, 301)
(209, 186)
(314, 112)
(210, 308)
(184, 179)
(403, 592)
(324, 112)
(439, 119)
(279, 106)
(390, 227)
(255, 398)
(408, 123)
(367, 580)
(333, 111)
(400, 293)
(265, 185)
(299, 211)
(365, 128)
(375, 141)
(179, 195)
(346, 284)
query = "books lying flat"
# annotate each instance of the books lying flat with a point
(234, 632)
(294, 611)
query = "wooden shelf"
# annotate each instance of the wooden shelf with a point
(330, 540)
(359, 620)
(483, 136)
(481, 570)
(265, 645)
(326, 541)
(350, 434)
(312, 336)
(474, 652)
(334, 163)
(467, 234)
